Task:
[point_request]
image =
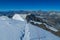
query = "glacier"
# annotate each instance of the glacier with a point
(11, 29)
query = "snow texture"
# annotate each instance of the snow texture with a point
(36, 33)
(11, 29)
(21, 30)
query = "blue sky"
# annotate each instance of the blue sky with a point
(30, 5)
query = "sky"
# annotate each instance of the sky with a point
(30, 5)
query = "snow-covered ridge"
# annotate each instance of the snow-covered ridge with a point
(18, 30)
(17, 17)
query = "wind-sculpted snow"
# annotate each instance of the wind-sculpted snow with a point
(21, 30)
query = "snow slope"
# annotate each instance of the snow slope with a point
(36, 33)
(21, 30)
(11, 29)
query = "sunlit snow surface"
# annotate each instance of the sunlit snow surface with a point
(18, 17)
(17, 30)
(11, 29)
(37, 33)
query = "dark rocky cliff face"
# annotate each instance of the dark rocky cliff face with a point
(52, 20)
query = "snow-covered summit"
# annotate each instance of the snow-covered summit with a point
(17, 17)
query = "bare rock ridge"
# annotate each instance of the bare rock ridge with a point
(33, 19)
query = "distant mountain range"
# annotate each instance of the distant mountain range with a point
(39, 12)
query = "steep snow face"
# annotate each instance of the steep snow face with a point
(18, 17)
